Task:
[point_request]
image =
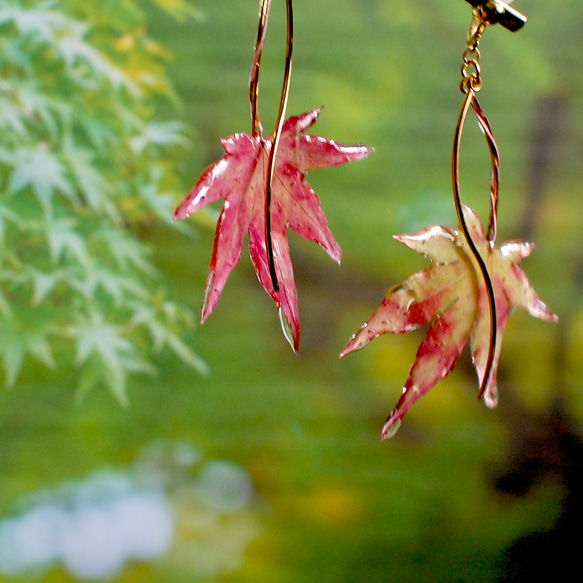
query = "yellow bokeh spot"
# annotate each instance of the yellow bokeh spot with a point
(125, 43)
(334, 505)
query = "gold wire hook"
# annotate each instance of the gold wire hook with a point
(471, 101)
(275, 141)
(485, 12)
(257, 129)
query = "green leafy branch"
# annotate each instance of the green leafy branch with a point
(83, 158)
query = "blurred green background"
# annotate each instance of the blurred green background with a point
(461, 493)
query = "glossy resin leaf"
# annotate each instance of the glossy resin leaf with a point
(240, 178)
(451, 297)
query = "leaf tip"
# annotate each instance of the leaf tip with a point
(181, 212)
(549, 315)
(291, 333)
(358, 341)
(491, 397)
(391, 426)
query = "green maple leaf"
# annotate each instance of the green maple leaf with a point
(42, 171)
(106, 356)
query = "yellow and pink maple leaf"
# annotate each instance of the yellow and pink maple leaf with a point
(451, 297)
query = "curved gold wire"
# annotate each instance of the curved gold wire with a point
(255, 66)
(257, 128)
(495, 176)
(471, 101)
(275, 141)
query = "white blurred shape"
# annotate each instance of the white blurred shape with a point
(10, 557)
(38, 534)
(91, 545)
(31, 541)
(94, 527)
(145, 522)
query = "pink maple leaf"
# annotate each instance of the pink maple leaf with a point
(451, 297)
(240, 177)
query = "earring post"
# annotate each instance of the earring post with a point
(498, 12)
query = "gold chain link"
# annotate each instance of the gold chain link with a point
(471, 73)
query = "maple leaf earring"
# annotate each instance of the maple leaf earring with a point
(467, 292)
(262, 180)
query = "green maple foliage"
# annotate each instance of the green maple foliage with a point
(83, 159)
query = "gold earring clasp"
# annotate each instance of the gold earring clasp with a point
(496, 11)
